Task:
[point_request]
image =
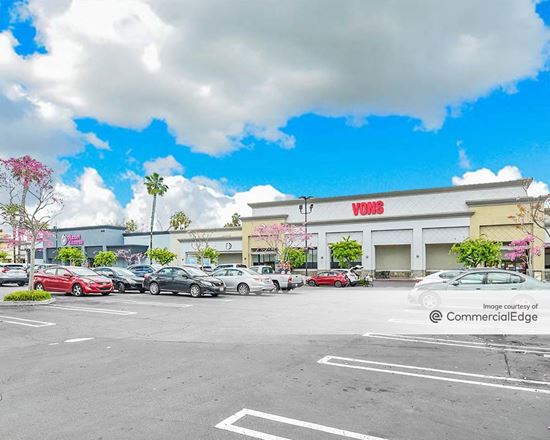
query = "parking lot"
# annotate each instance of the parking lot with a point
(300, 365)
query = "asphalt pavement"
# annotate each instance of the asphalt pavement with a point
(300, 365)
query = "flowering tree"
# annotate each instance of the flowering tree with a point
(25, 171)
(524, 250)
(280, 237)
(129, 257)
(30, 201)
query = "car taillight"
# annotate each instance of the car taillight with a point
(289, 279)
(5, 269)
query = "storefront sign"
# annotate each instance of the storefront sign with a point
(368, 208)
(72, 240)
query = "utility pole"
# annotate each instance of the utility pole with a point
(305, 209)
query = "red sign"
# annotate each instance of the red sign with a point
(368, 208)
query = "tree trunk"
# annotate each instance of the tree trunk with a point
(31, 268)
(152, 224)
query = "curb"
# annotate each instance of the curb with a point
(26, 303)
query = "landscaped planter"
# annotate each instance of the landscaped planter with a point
(27, 298)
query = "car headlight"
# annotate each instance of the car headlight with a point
(207, 283)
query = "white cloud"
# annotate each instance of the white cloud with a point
(163, 165)
(463, 159)
(217, 71)
(205, 204)
(509, 172)
(91, 202)
(96, 142)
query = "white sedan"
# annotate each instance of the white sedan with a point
(438, 277)
(244, 281)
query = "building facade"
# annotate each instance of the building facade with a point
(402, 233)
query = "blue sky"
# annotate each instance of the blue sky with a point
(330, 156)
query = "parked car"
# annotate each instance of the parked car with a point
(471, 281)
(350, 274)
(227, 265)
(329, 278)
(207, 269)
(244, 281)
(282, 281)
(13, 274)
(12, 266)
(186, 279)
(438, 277)
(141, 270)
(122, 279)
(71, 279)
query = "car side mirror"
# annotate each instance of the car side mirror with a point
(455, 283)
(67, 275)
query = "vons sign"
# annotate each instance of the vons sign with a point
(368, 208)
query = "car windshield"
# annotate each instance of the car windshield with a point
(123, 272)
(194, 272)
(83, 271)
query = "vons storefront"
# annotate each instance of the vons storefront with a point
(403, 233)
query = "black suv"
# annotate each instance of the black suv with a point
(187, 279)
(122, 279)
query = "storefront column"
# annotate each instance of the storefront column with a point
(368, 252)
(323, 260)
(417, 253)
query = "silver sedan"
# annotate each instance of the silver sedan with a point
(244, 281)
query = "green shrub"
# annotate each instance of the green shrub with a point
(28, 295)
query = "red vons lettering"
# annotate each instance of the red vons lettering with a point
(368, 208)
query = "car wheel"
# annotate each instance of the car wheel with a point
(277, 286)
(154, 288)
(337, 284)
(312, 283)
(20, 284)
(120, 287)
(429, 301)
(243, 289)
(196, 291)
(77, 290)
(38, 286)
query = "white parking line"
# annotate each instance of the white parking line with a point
(150, 303)
(25, 322)
(228, 425)
(330, 360)
(94, 310)
(460, 343)
(78, 340)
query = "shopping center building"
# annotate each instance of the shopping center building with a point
(402, 233)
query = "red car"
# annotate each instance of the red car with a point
(329, 278)
(70, 279)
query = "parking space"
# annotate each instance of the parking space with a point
(299, 365)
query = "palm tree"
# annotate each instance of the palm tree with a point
(179, 221)
(155, 187)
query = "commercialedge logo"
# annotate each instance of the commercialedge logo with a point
(368, 208)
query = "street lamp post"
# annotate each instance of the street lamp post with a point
(305, 209)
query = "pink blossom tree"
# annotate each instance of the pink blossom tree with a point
(280, 238)
(130, 257)
(524, 250)
(30, 202)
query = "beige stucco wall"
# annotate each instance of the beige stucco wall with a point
(494, 222)
(249, 241)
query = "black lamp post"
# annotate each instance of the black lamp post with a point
(305, 209)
